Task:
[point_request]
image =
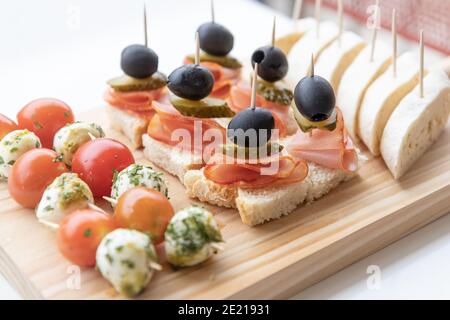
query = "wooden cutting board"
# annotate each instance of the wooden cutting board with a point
(274, 260)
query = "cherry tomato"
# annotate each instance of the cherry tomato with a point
(80, 233)
(146, 210)
(96, 162)
(45, 117)
(6, 126)
(32, 173)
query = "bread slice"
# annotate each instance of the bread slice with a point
(357, 79)
(335, 59)
(133, 127)
(301, 26)
(382, 98)
(172, 160)
(416, 123)
(261, 205)
(299, 58)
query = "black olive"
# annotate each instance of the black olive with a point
(138, 61)
(215, 39)
(191, 81)
(240, 127)
(272, 63)
(314, 98)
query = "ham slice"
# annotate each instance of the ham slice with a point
(240, 97)
(331, 149)
(191, 134)
(274, 171)
(224, 78)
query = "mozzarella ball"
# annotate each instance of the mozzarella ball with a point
(137, 175)
(189, 236)
(64, 195)
(69, 138)
(12, 146)
(123, 258)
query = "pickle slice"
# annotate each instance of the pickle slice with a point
(240, 152)
(306, 125)
(274, 92)
(225, 61)
(126, 83)
(205, 108)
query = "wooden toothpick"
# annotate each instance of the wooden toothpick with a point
(111, 200)
(213, 16)
(218, 246)
(317, 14)
(255, 78)
(155, 266)
(375, 30)
(274, 26)
(422, 58)
(145, 26)
(197, 48)
(311, 71)
(341, 21)
(394, 42)
(297, 11)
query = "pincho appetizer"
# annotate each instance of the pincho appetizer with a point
(272, 93)
(252, 173)
(130, 96)
(216, 43)
(187, 128)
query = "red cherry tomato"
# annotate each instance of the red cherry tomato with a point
(80, 233)
(96, 162)
(32, 173)
(6, 126)
(146, 210)
(45, 117)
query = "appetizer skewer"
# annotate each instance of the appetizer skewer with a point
(272, 92)
(130, 96)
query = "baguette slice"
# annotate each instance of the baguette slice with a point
(301, 26)
(357, 79)
(133, 127)
(299, 57)
(334, 60)
(172, 160)
(382, 98)
(416, 123)
(261, 205)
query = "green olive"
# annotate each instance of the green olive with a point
(205, 108)
(224, 61)
(126, 83)
(274, 92)
(237, 151)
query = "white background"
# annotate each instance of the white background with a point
(68, 48)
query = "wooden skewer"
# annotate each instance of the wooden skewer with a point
(394, 42)
(297, 11)
(110, 200)
(94, 207)
(217, 246)
(341, 21)
(49, 224)
(311, 70)
(422, 58)
(255, 77)
(274, 26)
(145, 26)
(213, 16)
(317, 14)
(91, 136)
(155, 266)
(197, 48)
(375, 30)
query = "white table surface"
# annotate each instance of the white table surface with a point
(68, 48)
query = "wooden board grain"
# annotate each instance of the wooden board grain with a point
(274, 260)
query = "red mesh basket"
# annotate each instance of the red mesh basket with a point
(433, 16)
